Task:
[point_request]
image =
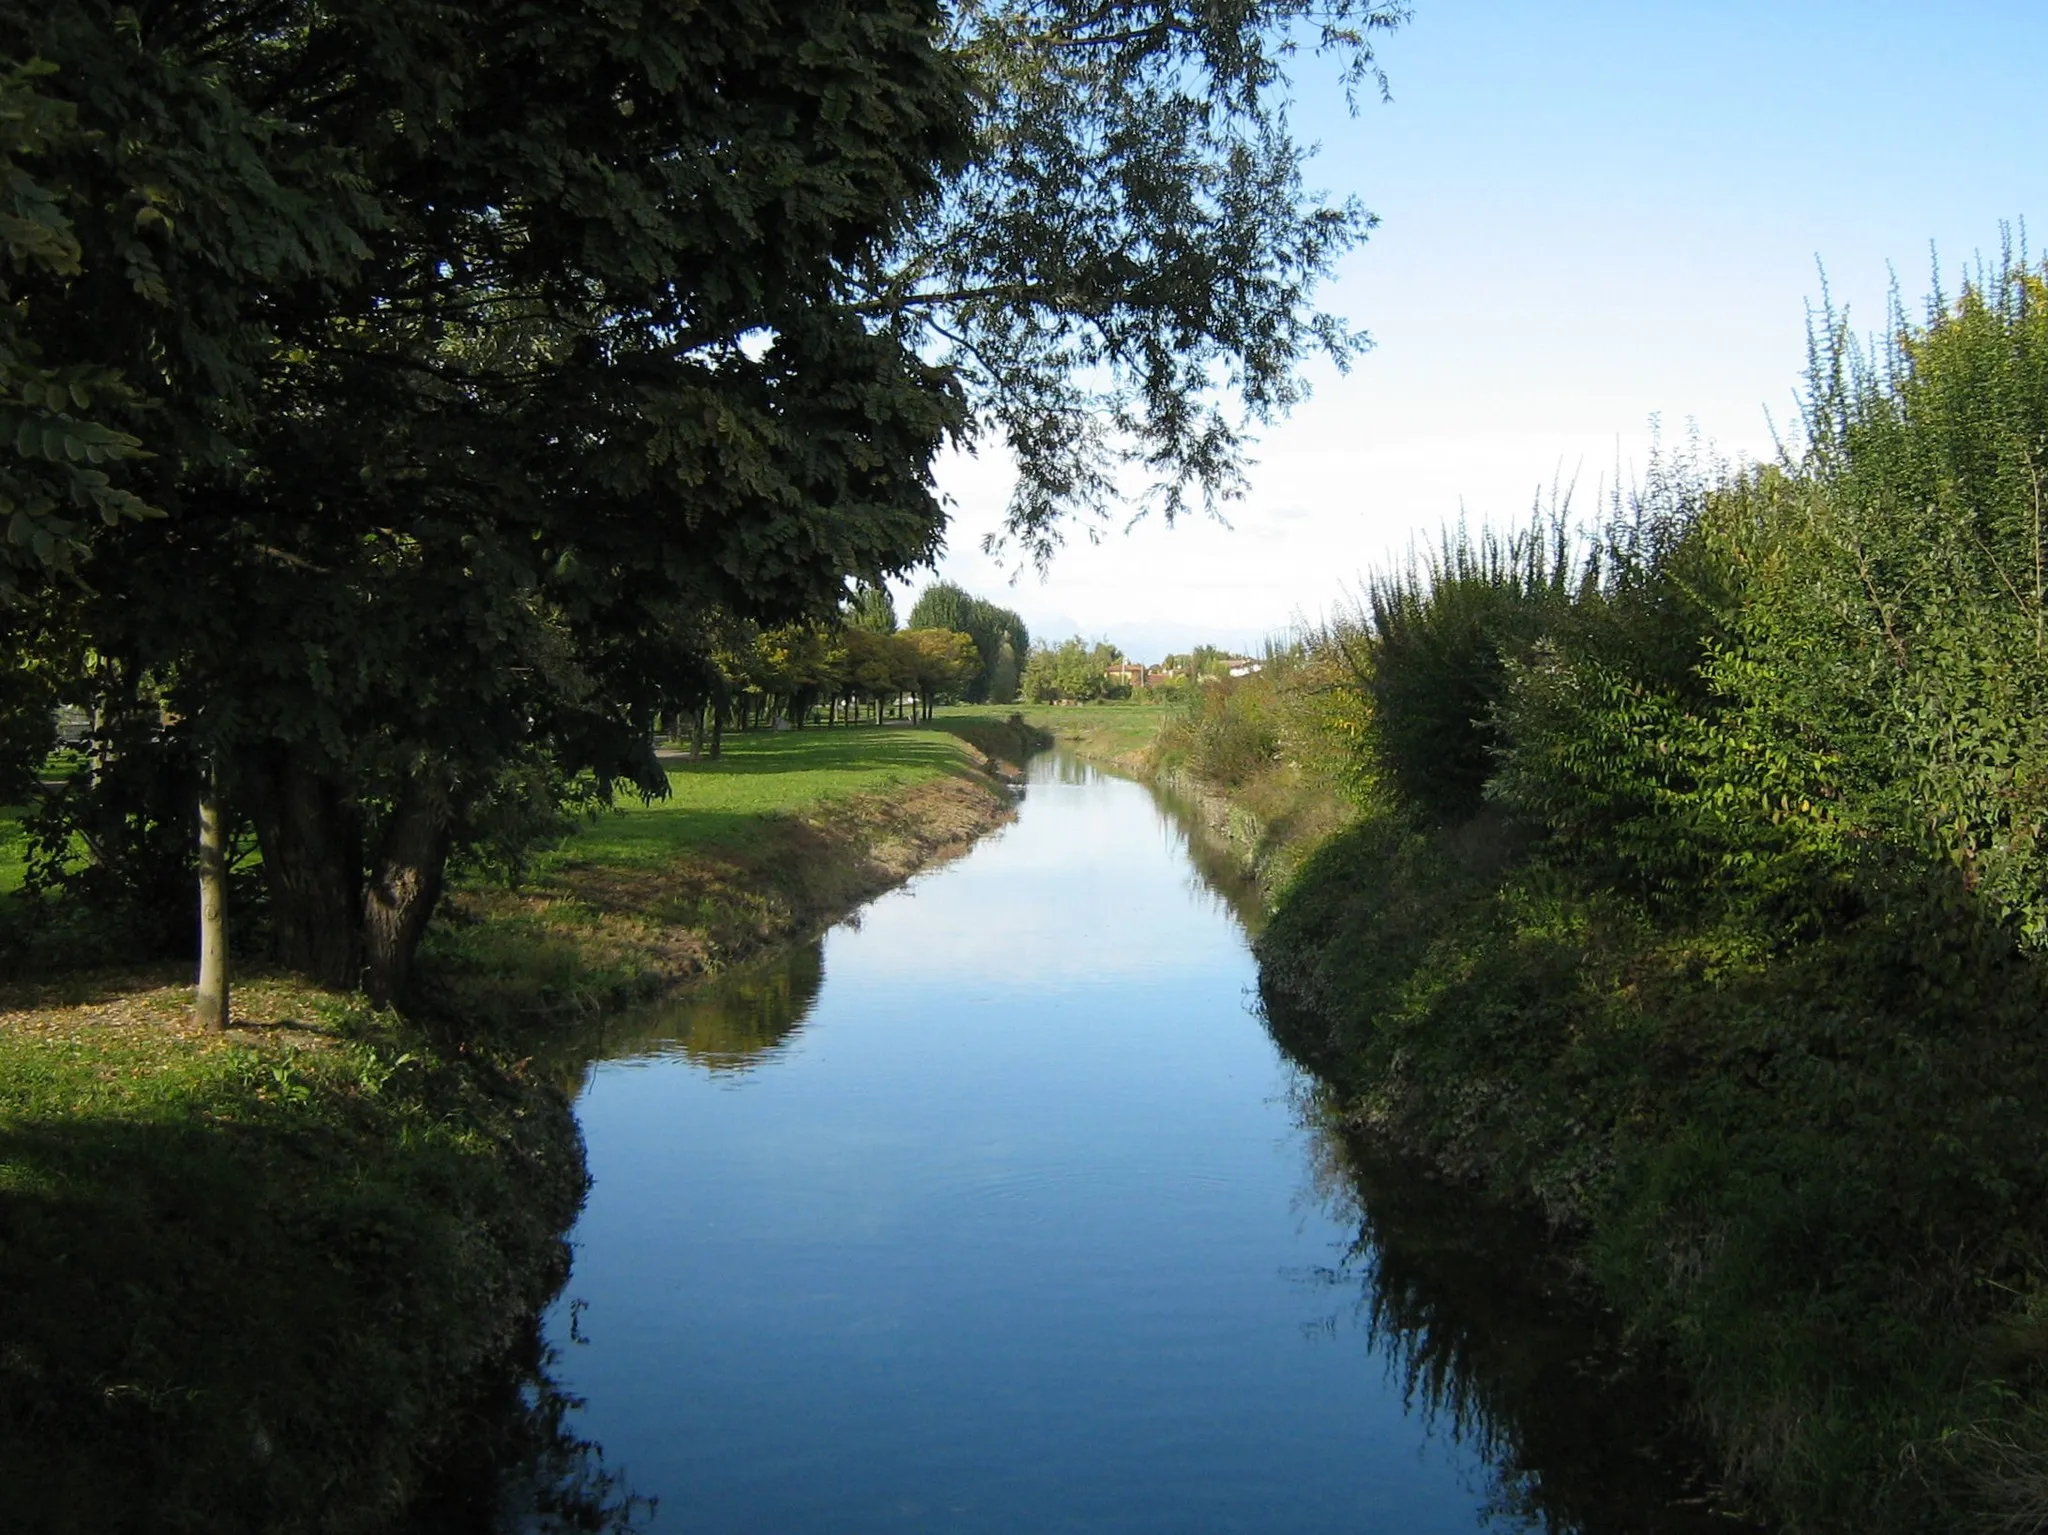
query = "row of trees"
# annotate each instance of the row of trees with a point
(755, 676)
(1075, 671)
(999, 635)
(1071, 672)
(397, 400)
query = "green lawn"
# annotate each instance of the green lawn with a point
(743, 853)
(13, 849)
(764, 772)
(61, 765)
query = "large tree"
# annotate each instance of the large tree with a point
(998, 633)
(477, 354)
(591, 363)
(1123, 273)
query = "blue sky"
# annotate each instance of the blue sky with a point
(1591, 216)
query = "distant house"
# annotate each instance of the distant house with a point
(1128, 674)
(1244, 666)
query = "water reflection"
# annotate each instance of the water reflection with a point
(1216, 865)
(1495, 1340)
(996, 1239)
(513, 1466)
(733, 1024)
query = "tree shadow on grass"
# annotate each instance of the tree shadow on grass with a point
(844, 748)
(258, 1316)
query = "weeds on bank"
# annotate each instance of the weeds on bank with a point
(745, 851)
(1698, 901)
(1275, 745)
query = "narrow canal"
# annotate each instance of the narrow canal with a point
(999, 1211)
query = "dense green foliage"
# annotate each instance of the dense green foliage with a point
(1072, 671)
(1698, 901)
(999, 636)
(401, 404)
(493, 347)
(1279, 744)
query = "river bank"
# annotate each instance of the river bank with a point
(1695, 904)
(1266, 810)
(252, 1278)
(781, 837)
(1253, 766)
(271, 1279)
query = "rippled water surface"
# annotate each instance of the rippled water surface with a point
(999, 1211)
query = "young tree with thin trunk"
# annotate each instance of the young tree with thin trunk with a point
(210, 1007)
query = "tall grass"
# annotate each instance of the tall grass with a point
(1445, 630)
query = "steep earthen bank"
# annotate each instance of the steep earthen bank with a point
(254, 1279)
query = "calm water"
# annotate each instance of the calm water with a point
(999, 1211)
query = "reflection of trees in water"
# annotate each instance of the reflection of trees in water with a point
(1063, 767)
(1498, 1342)
(728, 1024)
(736, 1021)
(511, 1464)
(1218, 863)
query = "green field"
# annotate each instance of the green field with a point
(761, 773)
(13, 849)
(1116, 734)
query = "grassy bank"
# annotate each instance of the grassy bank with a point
(1697, 904)
(251, 1279)
(1251, 757)
(1117, 736)
(283, 1278)
(1264, 757)
(783, 835)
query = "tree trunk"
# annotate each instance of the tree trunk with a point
(210, 1000)
(404, 886)
(697, 734)
(312, 865)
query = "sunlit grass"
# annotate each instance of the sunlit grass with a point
(1115, 733)
(746, 851)
(761, 773)
(13, 849)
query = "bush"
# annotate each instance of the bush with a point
(1700, 902)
